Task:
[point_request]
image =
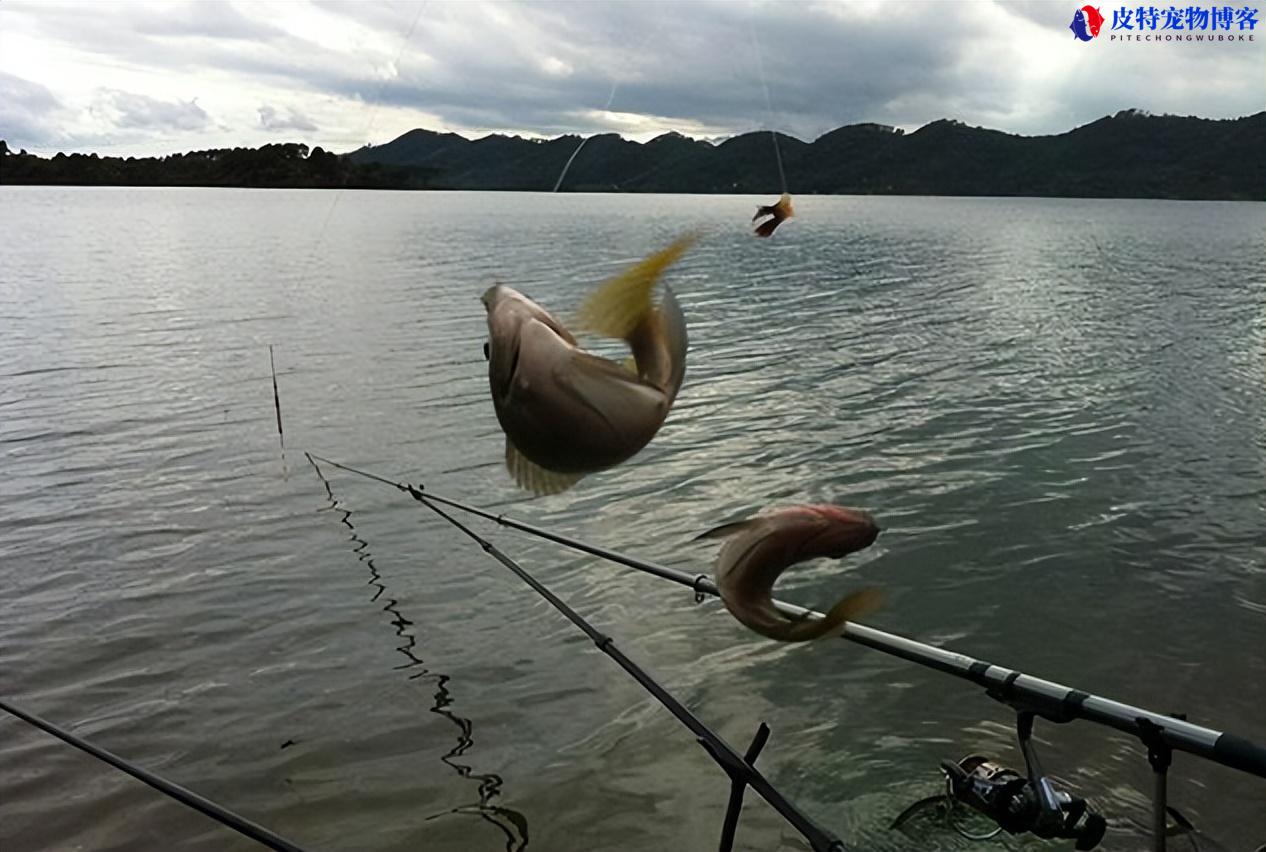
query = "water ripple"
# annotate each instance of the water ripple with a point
(1055, 408)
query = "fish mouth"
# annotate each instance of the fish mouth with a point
(862, 530)
(869, 538)
(855, 542)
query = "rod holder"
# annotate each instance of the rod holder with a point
(1160, 755)
(738, 785)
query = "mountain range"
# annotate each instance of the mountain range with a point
(1130, 154)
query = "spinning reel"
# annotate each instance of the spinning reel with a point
(1021, 805)
(1014, 802)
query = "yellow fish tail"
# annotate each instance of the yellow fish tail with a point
(619, 305)
(849, 608)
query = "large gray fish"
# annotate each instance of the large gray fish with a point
(757, 551)
(565, 412)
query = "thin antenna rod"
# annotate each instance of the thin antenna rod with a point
(281, 435)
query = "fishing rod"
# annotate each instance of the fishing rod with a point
(1030, 697)
(739, 768)
(219, 813)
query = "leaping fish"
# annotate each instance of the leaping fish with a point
(565, 412)
(758, 550)
(780, 210)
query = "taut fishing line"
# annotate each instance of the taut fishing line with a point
(769, 103)
(511, 823)
(580, 147)
(1020, 803)
(651, 36)
(373, 114)
(738, 767)
(338, 193)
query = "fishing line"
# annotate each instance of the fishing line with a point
(651, 36)
(769, 103)
(1000, 682)
(574, 154)
(373, 116)
(511, 823)
(395, 66)
(738, 767)
(220, 814)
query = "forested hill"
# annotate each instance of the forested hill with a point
(282, 165)
(1128, 155)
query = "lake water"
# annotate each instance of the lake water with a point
(1056, 409)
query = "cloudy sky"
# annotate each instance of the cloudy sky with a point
(156, 77)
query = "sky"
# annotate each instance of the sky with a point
(143, 78)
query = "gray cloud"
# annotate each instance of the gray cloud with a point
(130, 110)
(26, 112)
(220, 20)
(711, 67)
(270, 119)
(549, 67)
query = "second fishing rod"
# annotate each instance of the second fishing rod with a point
(1057, 701)
(740, 769)
(1020, 803)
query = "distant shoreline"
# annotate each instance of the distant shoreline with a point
(1130, 155)
(597, 193)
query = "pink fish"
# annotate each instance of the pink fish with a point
(757, 551)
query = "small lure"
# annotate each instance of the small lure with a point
(780, 210)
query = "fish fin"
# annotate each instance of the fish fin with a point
(725, 529)
(767, 228)
(532, 477)
(617, 307)
(849, 608)
(781, 210)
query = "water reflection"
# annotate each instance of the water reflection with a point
(511, 823)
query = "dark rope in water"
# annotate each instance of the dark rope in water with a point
(185, 796)
(511, 823)
(1000, 682)
(733, 763)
